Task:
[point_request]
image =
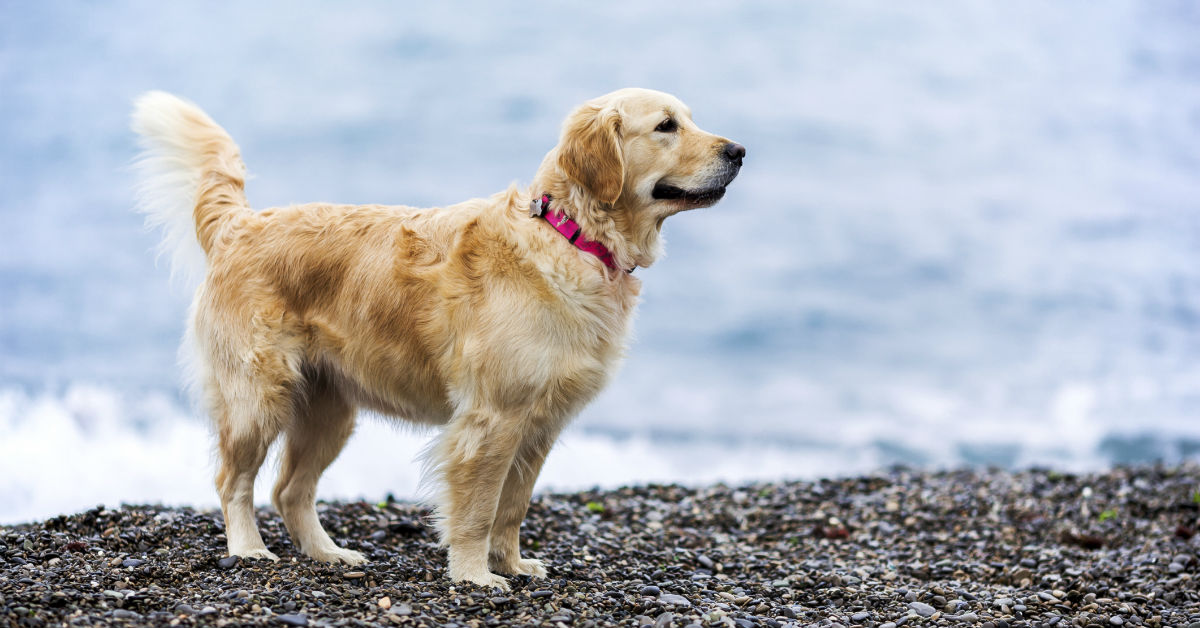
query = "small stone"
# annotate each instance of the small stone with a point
(121, 613)
(889, 624)
(744, 623)
(674, 600)
(650, 590)
(922, 609)
(1116, 620)
(228, 562)
(354, 575)
(402, 610)
(132, 562)
(859, 617)
(206, 611)
(500, 601)
(664, 620)
(292, 620)
(705, 561)
(968, 618)
(540, 594)
(385, 602)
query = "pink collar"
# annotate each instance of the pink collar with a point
(572, 231)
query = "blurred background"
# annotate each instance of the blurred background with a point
(966, 233)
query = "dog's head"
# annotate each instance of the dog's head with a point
(637, 154)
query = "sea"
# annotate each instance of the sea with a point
(966, 233)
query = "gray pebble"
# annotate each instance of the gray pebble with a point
(1116, 620)
(292, 620)
(542, 593)
(922, 609)
(228, 562)
(402, 609)
(132, 562)
(888, 625)
(858, 617)
(650, 590)
(674, 600)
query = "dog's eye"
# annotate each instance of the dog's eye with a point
(666, 126)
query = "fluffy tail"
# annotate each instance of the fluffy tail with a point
(192, 178)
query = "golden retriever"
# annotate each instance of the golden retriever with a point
(497, 319)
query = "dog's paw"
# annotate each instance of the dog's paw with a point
(338, 555)
(260, 553)
(530, 567)
(486, 579)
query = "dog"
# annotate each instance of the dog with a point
(496, 319)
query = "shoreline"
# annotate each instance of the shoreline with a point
(984, 548)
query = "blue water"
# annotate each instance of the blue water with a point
(966, 233)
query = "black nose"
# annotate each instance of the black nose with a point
(735, 152)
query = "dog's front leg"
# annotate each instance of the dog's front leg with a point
(505, 545)
(473, 457)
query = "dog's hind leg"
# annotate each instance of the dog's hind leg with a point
(245, 429)
(473, 458)
(324, 421)
(505, 549)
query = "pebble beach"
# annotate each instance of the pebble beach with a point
(985, 548)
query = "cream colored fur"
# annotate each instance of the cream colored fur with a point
(474, 317)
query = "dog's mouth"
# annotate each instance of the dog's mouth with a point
(667, 192)
(707, 195)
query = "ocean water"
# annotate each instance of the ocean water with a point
(965, 233)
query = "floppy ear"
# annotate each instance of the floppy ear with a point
(590, 151)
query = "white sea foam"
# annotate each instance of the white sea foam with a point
(94, 445)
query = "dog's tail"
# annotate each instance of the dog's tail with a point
(192, 177)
